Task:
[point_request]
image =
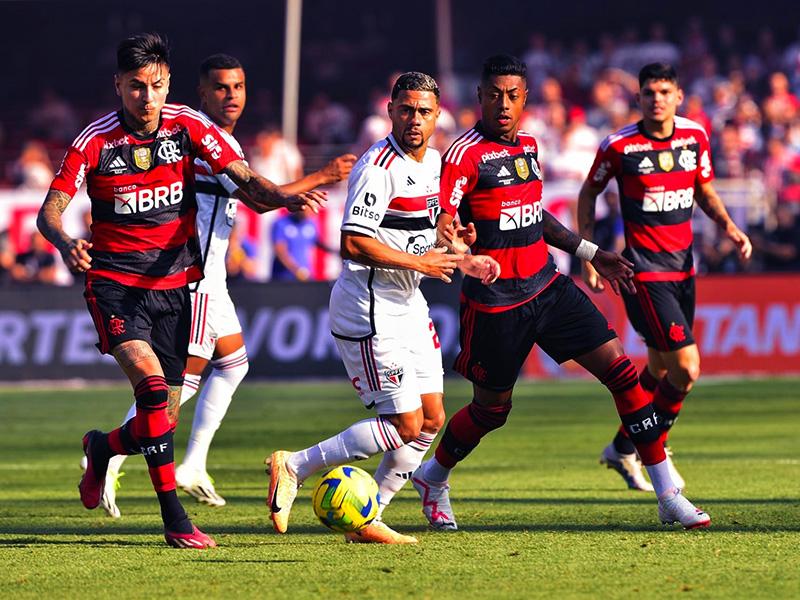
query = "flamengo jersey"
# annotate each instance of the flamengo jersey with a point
(216, 212)
(394, 199)
(498, 186)
(657, 179)
(142, 194)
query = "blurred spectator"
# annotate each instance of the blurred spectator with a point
(241, 258)
(695, 112)
(709, 79)
(32, 170)
(540, 62)
(54, 119)
(328, 122)
(778, 248)
(728, 154)
(294, 237)
(275, 158)
(37, 264)
(694, 49)
(578, 148)
(776, 166)
(780, 106)
(658, 48)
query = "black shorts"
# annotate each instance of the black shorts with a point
(561, 320)
(662, 313)
(162, 318)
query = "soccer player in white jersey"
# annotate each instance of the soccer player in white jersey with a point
(378, 315)
(216, 333)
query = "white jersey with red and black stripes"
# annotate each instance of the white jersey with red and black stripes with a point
(394, 199)
(216, 213)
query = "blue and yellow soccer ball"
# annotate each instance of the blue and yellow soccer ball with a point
(346, 499)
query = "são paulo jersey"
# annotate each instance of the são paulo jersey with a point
(216, 212)
(498, 186)
(657, 179)
(142, 194)
(394, 199)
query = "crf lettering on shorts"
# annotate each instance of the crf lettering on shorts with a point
(146, 199)
(149, 450)
(517, 217)
(655, 201)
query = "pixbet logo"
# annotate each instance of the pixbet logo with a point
(147, 199)
(494, 155)
(517, 217)
(668, 201)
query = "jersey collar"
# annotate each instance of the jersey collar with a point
(644, 133)
(139, 136)
(479, 128)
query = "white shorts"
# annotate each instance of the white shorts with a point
(401, 362)
(213, 317)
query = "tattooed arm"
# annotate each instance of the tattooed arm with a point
(74, 252)
(263, 195)
(587, 200)
(174, 403)
(708, 199)
(616, 269)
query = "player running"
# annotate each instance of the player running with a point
(137, 164)
(378, 314)
(663, 167)
(216, 334)
(491, 177)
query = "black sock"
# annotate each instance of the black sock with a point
(172, 513)
(623, 444)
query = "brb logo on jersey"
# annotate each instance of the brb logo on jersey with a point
(129, 201)
(659, 201)
(515, 215)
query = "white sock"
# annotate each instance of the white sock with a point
(226, 375)
(398, 465)
(436, 473)
(660, 477)
(190, 385)
(358, 442)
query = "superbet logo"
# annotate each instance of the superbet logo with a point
(147, 199)
(458, 193)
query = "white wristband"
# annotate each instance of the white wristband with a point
(586, 250)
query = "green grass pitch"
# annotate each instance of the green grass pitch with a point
(538, 516)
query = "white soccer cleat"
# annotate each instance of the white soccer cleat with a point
(673, 507)
(108, 501)
(198, 485)
(677, 480)
(435, 501)
(627, 465)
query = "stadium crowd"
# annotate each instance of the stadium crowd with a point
(744, 92)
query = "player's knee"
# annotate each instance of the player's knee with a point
(434, 423)
(685, 374)
(408, 426)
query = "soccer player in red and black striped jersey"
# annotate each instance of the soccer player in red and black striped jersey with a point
(138, 166)
(492, 181)
(663, 167)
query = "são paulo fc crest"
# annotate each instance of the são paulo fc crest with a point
(142, 158)
(522, 168)
(394, 377)
(666, 161)
(433, 208)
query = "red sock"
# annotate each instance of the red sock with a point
(465, 430)
(667, 402)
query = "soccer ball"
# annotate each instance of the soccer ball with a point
(345, 499)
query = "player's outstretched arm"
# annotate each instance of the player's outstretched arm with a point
(708, 200)
(333, 172)
(368, 251)
(74, 252)
(587, 201)
(617, 270)
(264, 195)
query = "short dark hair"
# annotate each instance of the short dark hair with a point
(414, 81)
(141, 51)
(218, 61)
(658, 71)
(504, 64)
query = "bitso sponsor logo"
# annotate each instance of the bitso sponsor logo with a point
(143, 200)
(668, 201)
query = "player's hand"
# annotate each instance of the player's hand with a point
(438, 263)
(616, 269)
(592, 278)
(738, 237)
(315, 200)
(481, 267)
(76, 256)
(338, 168)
